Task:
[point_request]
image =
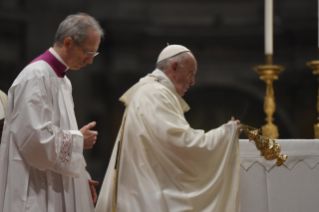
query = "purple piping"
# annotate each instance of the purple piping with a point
(55, 64)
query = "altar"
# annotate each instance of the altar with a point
(292, 187)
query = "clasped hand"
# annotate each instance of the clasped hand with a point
(89, 136)
(239, 127)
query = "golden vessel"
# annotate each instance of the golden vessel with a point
(267, 147)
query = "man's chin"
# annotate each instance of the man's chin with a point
(75, 68)
(182, 94)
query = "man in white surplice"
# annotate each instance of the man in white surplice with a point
(41, 155)
(159, 163)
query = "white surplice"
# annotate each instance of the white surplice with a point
(165, 164)
(1, 111)
(42, 168)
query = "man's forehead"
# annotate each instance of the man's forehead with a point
(93, 41)
(194, 65)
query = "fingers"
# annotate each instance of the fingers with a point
(88, 144)
(92, 133)
(91, 125)
(233, 119)
(84, 129)
(94, 196)
(239, 127)
(93, 182)
(237, 121)
(89, 136)
(87, 127)
(93, 193)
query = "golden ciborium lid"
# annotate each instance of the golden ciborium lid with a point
(267, 147)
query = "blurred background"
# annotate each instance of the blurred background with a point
(226, 37)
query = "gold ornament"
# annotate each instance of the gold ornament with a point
(267, 147)
(268, 73)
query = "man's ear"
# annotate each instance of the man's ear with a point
(174, 67)
(68, 42)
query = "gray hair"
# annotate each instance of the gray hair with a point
(180, 58)
(77, 27)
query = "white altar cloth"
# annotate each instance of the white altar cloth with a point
(292, 187)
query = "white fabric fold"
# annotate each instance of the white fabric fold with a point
(41, 162)
(165, 164)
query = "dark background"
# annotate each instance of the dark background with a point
(226, 37)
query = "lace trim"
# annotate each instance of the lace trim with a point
(310, 160)
(65, 155)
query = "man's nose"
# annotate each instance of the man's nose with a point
(192, 82)
(89, 60)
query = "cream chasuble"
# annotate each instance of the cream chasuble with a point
(165, 165)
(42, 168)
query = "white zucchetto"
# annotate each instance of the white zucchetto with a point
(171, 51)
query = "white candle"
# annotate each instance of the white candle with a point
(268, 26)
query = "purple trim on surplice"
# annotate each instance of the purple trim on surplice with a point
(55, 64)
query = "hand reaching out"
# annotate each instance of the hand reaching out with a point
(239, 127)
(89, 136)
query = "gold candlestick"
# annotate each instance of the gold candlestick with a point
(269, 73)
(315, 66)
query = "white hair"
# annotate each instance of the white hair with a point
(77, 27)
